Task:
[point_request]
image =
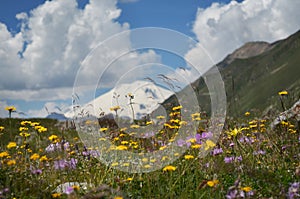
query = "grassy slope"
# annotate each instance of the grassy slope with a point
(254, 83)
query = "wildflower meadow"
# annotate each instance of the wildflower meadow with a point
(45, 158)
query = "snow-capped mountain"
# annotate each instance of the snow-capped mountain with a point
(146, 98)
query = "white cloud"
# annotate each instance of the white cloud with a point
(223, 28)
(41, 61)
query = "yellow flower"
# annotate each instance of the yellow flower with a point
(114, 164)
(129, 179)
(212, 183)
(149, 122)
(11, 145)
(209, 144)
(191, 140)
(56, 195)
(10, 108)
(176, 108)
(126, 164)
(115, 108)
(160, 117)
(169, 168)
(162, 147)
(124, 142)
(1, 128)
(42, 129)
(247, 113)
(195, 115)
(4, 154)
(76, 187)
(34, 156)
(246, 189)
(134, 126)
(24, 134)
(11, 162)
(43, 158)
(103, 129)
(281, 93)
(121, 147)
(53, 138)
(147, 166)
(196, 146)
(187, 157)
(118, 197)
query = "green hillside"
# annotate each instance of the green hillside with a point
(254, 82)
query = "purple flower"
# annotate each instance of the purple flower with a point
(72, 163)
(294, 191)
(181, 142)
(63, 164)
(232, 158)
(247, 140)
(60, 164)
(232, 193)
(259, 152)
(69, 190)
(217, 151)
(239, 158)
(206, 135)
(231, 144)
(228, 159)
(36, 171)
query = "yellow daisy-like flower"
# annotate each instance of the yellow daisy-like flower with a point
(121, 147)
(160, 117)
(134, 126)
(103, 129)
(247, 113)
(149, 122)
(129, 179)
(34, 156)
(176, 108)
(126, 164)
(246, 189)
(10, 108)
(11, 162)
(188, 157)
(11, 145)
(169, 168)
(209, 144)
(42, 129)
(76, 187)
(281, 93)
(114, 164)
(53, 138)
(43, 158)
(24, 134)
(56, 195)
(114, 108)
(4, 154)
(212, 183)
(147, 166)
(196, 146)
(162, 147)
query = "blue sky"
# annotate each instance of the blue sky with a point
(42, 43)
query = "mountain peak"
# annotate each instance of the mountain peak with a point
(249, 49)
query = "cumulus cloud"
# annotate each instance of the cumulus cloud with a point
(41, 61)
(222, 28)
